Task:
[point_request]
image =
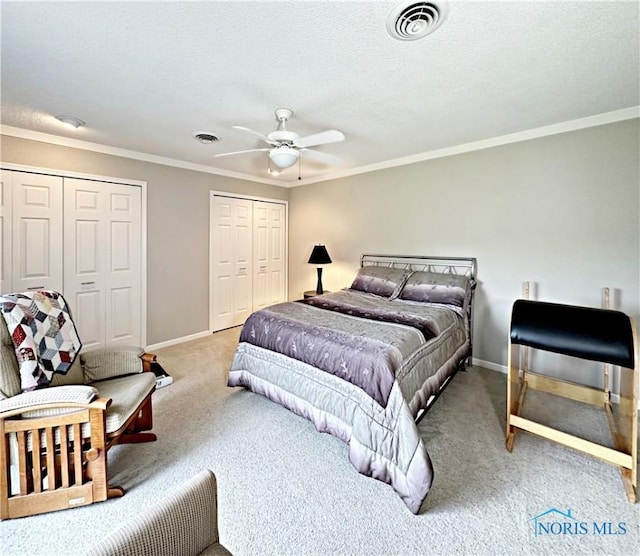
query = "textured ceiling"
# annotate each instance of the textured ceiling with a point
(146, 75)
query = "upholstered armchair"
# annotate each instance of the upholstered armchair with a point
(185, 522)
(54, 440)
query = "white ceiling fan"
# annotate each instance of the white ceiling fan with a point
(285, 146)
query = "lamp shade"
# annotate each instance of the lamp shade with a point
(319, 255)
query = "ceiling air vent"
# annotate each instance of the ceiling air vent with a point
(413, 20)
(205, 137)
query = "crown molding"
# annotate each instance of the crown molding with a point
(68, 174)
(126, 153)
(526, 135)
(535, 133)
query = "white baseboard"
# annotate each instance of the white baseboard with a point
(489, 365)
(615, 398)
(175, 341)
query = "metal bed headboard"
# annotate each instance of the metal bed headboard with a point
(462, 266)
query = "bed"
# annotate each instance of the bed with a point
(366, 363)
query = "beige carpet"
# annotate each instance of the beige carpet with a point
(286, 489)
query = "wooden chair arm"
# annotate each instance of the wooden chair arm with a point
(99, 403)
(147, 359)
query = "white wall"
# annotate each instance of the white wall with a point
(561, 211)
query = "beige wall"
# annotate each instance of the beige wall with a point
(177, 227)
(561, 211)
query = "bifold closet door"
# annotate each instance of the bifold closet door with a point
(5, 231)
(268, 254)
(31, 232)
(102, 267)
(231, 261)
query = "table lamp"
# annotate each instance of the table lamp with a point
(319, 256)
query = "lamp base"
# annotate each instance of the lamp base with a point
(319, 290)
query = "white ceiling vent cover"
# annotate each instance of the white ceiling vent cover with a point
(413, 20)
(205, 137)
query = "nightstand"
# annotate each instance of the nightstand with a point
(312, 293)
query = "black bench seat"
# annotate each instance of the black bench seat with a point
(585, 332)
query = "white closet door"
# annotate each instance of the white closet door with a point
(102, 261)
(37, 232)
(124, 304)
(231, 261)
(6, 180)
(261, 255)
(85, 261)
(268, 252)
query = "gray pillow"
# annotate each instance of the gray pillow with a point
(432, 287)
(380, 280)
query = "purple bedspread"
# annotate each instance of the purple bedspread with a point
(360, 367)
(425, 324)
(361, 360)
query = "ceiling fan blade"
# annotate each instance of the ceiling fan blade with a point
(322, 138)
(256, 133)
(240, 152)
(324, 158)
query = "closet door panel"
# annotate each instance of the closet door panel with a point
(223, 298)
(121, 317)
(34, 252)
(277, 228)
(37, 232)
(224, 274)
(102, 261)
(123, 286)
(277, 263)
(243, 297)
(242, 254)
(88, 314)
(84, 262)
(275, 259)
(231, 261)
(276, 287)
(6, 181)
(260, 256)
(222, 269)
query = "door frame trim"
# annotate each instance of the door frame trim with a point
(143, 222)
(214, 193)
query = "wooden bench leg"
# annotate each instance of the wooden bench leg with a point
(516, 388)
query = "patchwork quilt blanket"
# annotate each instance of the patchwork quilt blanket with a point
(44, 336)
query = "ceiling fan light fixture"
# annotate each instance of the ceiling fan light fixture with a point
(285, 146)
(70, 121)
(283, 157)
